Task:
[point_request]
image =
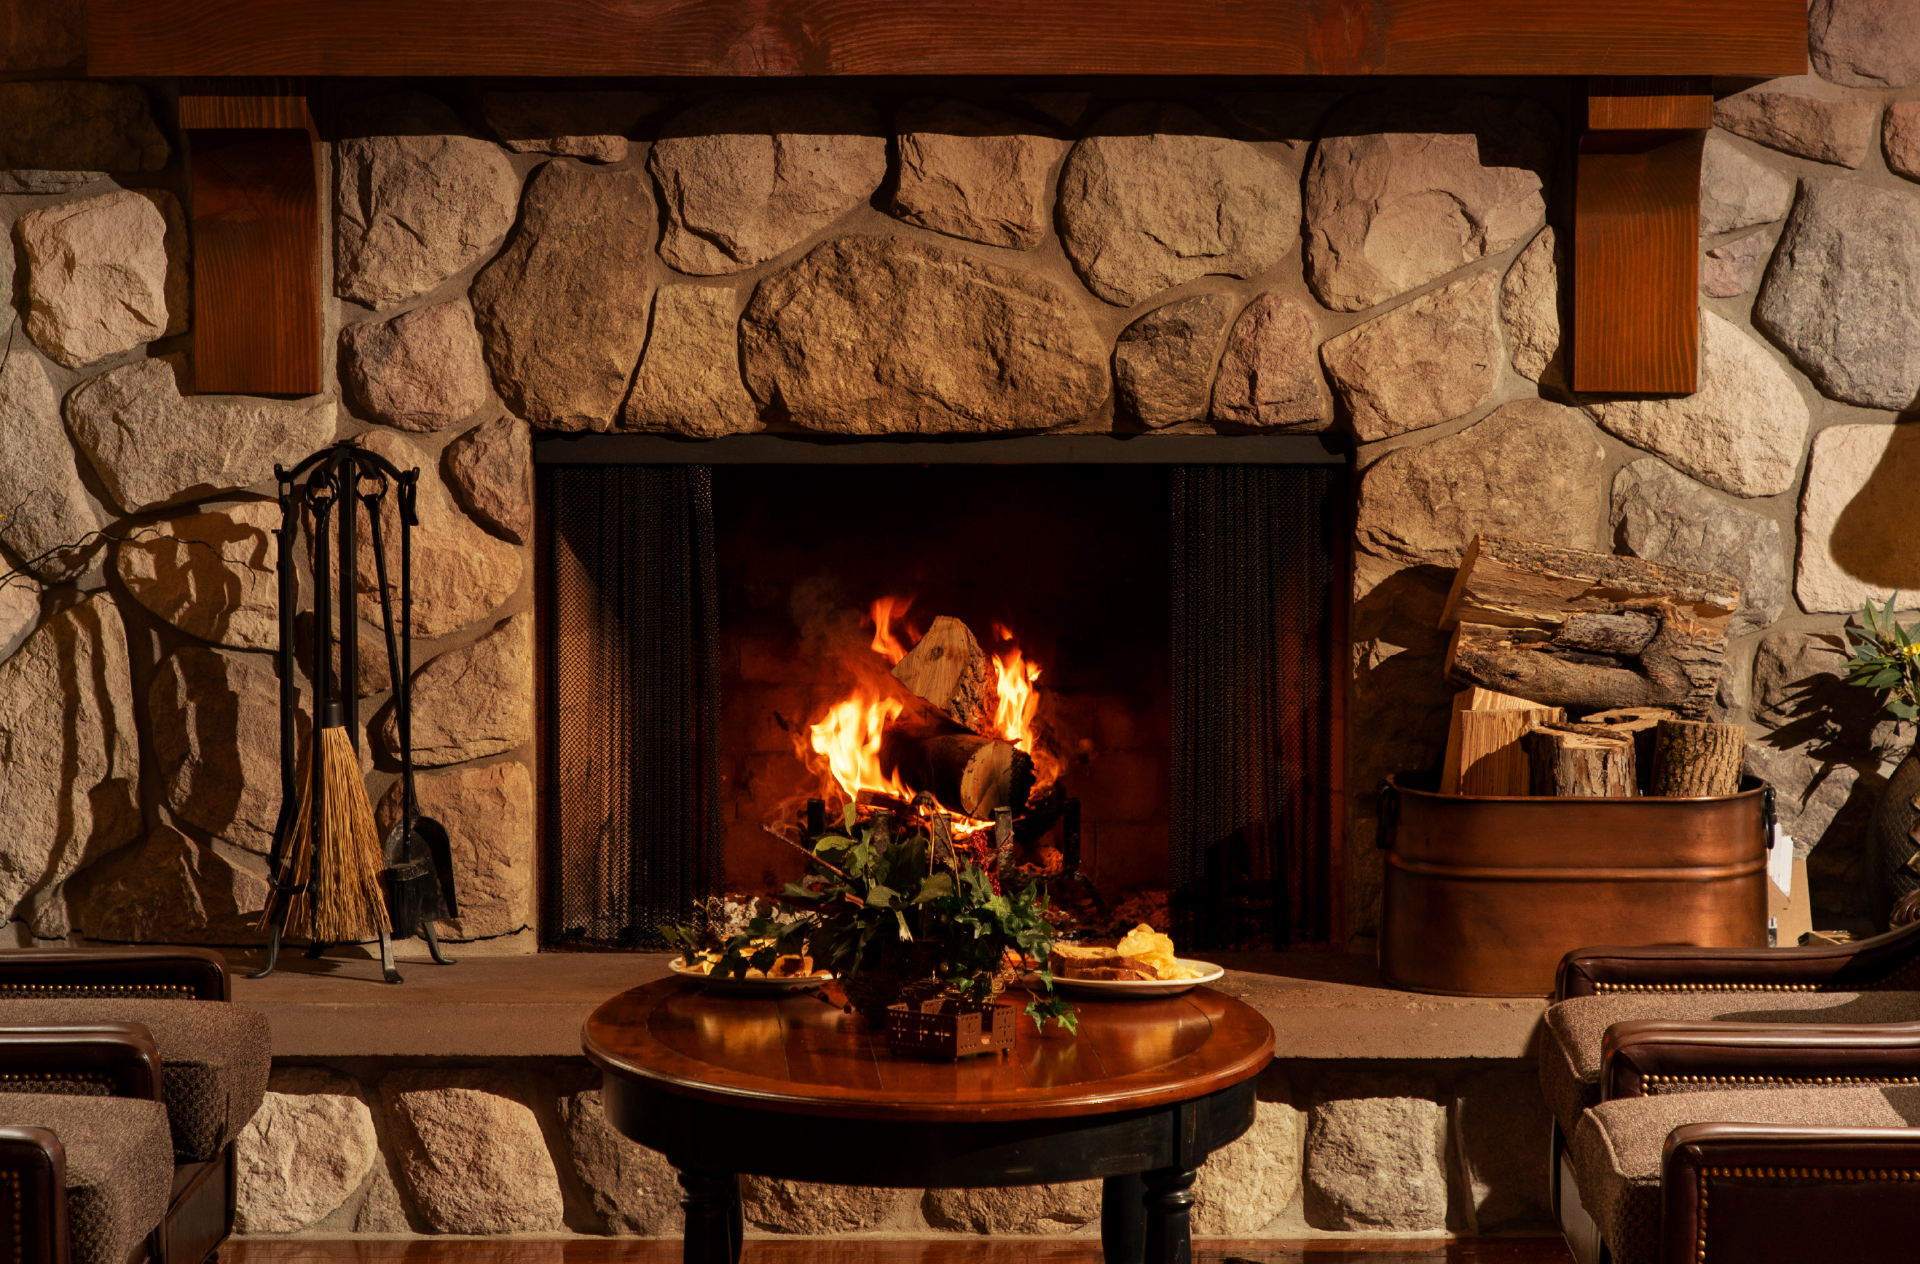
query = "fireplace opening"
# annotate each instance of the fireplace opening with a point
(1135, 660)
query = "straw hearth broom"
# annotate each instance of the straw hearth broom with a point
(343, 903)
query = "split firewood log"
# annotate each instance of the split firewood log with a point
(1510, 583)
(1639, 723)
(1696, 760)
(952, 674)
(1580, 761)
(1483, 755)
(1653, 657)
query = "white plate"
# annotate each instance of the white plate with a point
(748, 987)
(1113, 988)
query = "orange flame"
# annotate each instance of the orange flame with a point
(885, 611)
(850, 738)
(1019, 700)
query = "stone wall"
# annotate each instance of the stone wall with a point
(1382, 262)
(378, 1147)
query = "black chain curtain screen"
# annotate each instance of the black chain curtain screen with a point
(1252, 673)
(632, 745)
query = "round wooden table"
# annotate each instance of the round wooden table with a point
(796, 1088)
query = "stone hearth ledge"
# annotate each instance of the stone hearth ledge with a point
(1322, 1005)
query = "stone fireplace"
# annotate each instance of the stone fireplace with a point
(962, 263)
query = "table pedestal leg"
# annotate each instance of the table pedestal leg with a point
(712, 1203)
(1169, 1200)
(1123, 1219)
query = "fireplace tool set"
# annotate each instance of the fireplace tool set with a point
(333, 879)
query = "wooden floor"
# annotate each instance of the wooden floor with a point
(880, 1251)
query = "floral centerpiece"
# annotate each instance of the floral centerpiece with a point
(915, 914)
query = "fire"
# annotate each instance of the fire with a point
(885, 611)
(1019, 700)
(849, 738)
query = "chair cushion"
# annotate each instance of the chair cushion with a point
(214, 1057)
(1570, 1044)
(119, 1166)
(1618, 1148)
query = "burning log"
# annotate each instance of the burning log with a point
(951, 673)
(967, 773)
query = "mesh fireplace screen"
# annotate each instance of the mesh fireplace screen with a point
(1252, 669)
(632, 703)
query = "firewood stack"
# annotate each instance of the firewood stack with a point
(1587, 675)
(950, 744)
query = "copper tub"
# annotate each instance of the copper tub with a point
(1484, 895)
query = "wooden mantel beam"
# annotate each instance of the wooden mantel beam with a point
(1757, 38)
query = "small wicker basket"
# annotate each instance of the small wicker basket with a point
(950, 1028)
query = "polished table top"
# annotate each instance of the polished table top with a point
(802, 1054)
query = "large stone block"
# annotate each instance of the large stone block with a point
(65, 125)
(1425, 362)
(416, 199)
(1742, 431)
(975, 173)
(1531, 469)
(309, 1145)
(1252, 1180)
(803, 1207)
(690, 382)
(590, 125)
(1163, 362)
(1865, 43)
(1840, 295)
(1377, 1162)
(1900, 138)
(472, 1152)
(153, 447)
(749, 176)
(96, 276)
(48, 512)
(212, 575)
(1268, 374)
(1034, 1209)
(169, 889)
(1530, 305)
(69, 779)
(460, 572)
(635, 1189)
(471, 702)
(872, 335)
(1817, 127)
(1664, 516)
(1800, 691)
(422, 370)
(490, 469)
(19, 611)
(1737, 191)
(1403, 191)
(1855, 511)
(1501, 1128)
(563, 310)
(1809, 793)
(1155, 195)
(216, 733)
(488, 814)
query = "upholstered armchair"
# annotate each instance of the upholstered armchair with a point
(1745, 1104)
(79, 1029)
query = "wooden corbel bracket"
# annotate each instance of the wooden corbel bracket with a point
(256, 235)
(1636, 236)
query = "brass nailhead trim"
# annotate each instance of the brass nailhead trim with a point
(1791, 1174)
(1654, 1083)
(55, 991)
(1705, 987)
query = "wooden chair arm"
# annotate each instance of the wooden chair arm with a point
(188, 974)
(119, 1056)
(1768, 1192)
(1641, 1058)
(35, 1159)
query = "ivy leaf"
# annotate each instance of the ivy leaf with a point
(935, 886)
(847, 817)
